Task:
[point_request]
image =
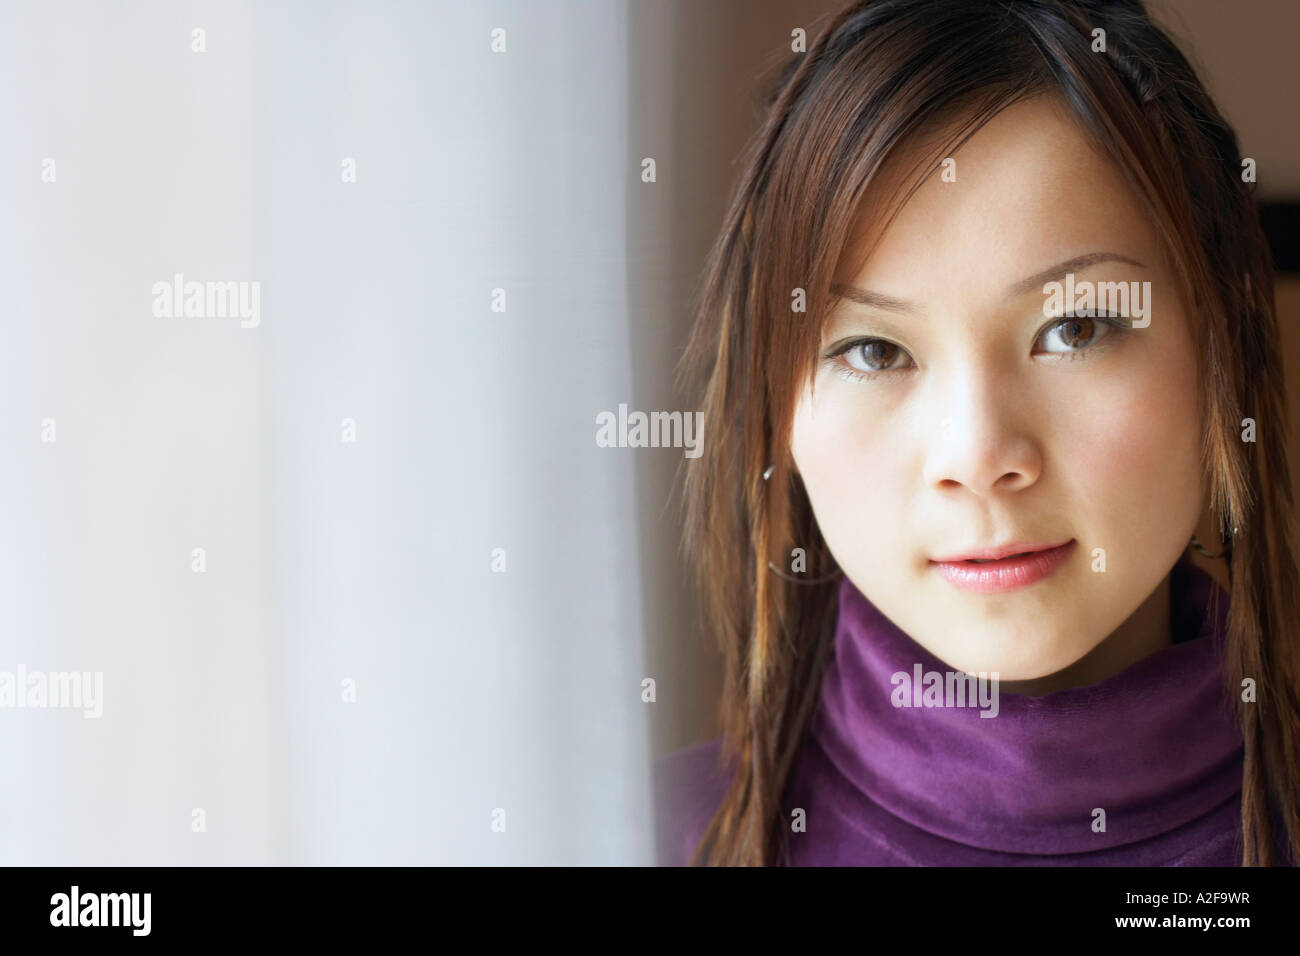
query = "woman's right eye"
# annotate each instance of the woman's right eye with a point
(871, 355)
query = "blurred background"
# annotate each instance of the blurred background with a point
(361, 584)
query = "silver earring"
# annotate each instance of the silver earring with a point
(1201, 549)
(767, 473)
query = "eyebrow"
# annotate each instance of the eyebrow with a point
(888, 303)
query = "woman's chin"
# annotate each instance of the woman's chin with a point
(1039, 661)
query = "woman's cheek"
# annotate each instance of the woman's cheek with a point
(850, 470)
(834, 439)
(1136, 458)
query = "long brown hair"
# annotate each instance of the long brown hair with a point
(877, 72)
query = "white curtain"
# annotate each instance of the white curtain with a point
(244, 523)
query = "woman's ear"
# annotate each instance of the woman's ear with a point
(1207, 533)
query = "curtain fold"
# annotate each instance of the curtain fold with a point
(360, 583)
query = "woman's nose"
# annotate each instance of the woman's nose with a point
(985, 437)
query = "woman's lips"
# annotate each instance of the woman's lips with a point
(1009, 573)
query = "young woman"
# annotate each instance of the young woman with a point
(987, 336)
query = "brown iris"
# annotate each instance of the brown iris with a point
(871, 353)
(1074, 328)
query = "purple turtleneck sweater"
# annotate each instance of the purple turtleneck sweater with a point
(1153, 746)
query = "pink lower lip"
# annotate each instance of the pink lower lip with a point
(1007, 574)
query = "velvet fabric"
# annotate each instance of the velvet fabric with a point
(1143, 768)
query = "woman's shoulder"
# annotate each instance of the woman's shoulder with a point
(689, 785)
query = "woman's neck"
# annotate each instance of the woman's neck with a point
(1144, 632)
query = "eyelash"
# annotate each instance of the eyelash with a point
(1118, 325)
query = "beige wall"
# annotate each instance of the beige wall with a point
(1245, 53)
(693, 104)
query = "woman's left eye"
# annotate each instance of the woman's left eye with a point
(1079, 332)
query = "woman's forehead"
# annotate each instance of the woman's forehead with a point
(1026, 187)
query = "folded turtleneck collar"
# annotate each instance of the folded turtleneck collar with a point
(1154, 746)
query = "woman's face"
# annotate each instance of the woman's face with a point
(972, 420)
